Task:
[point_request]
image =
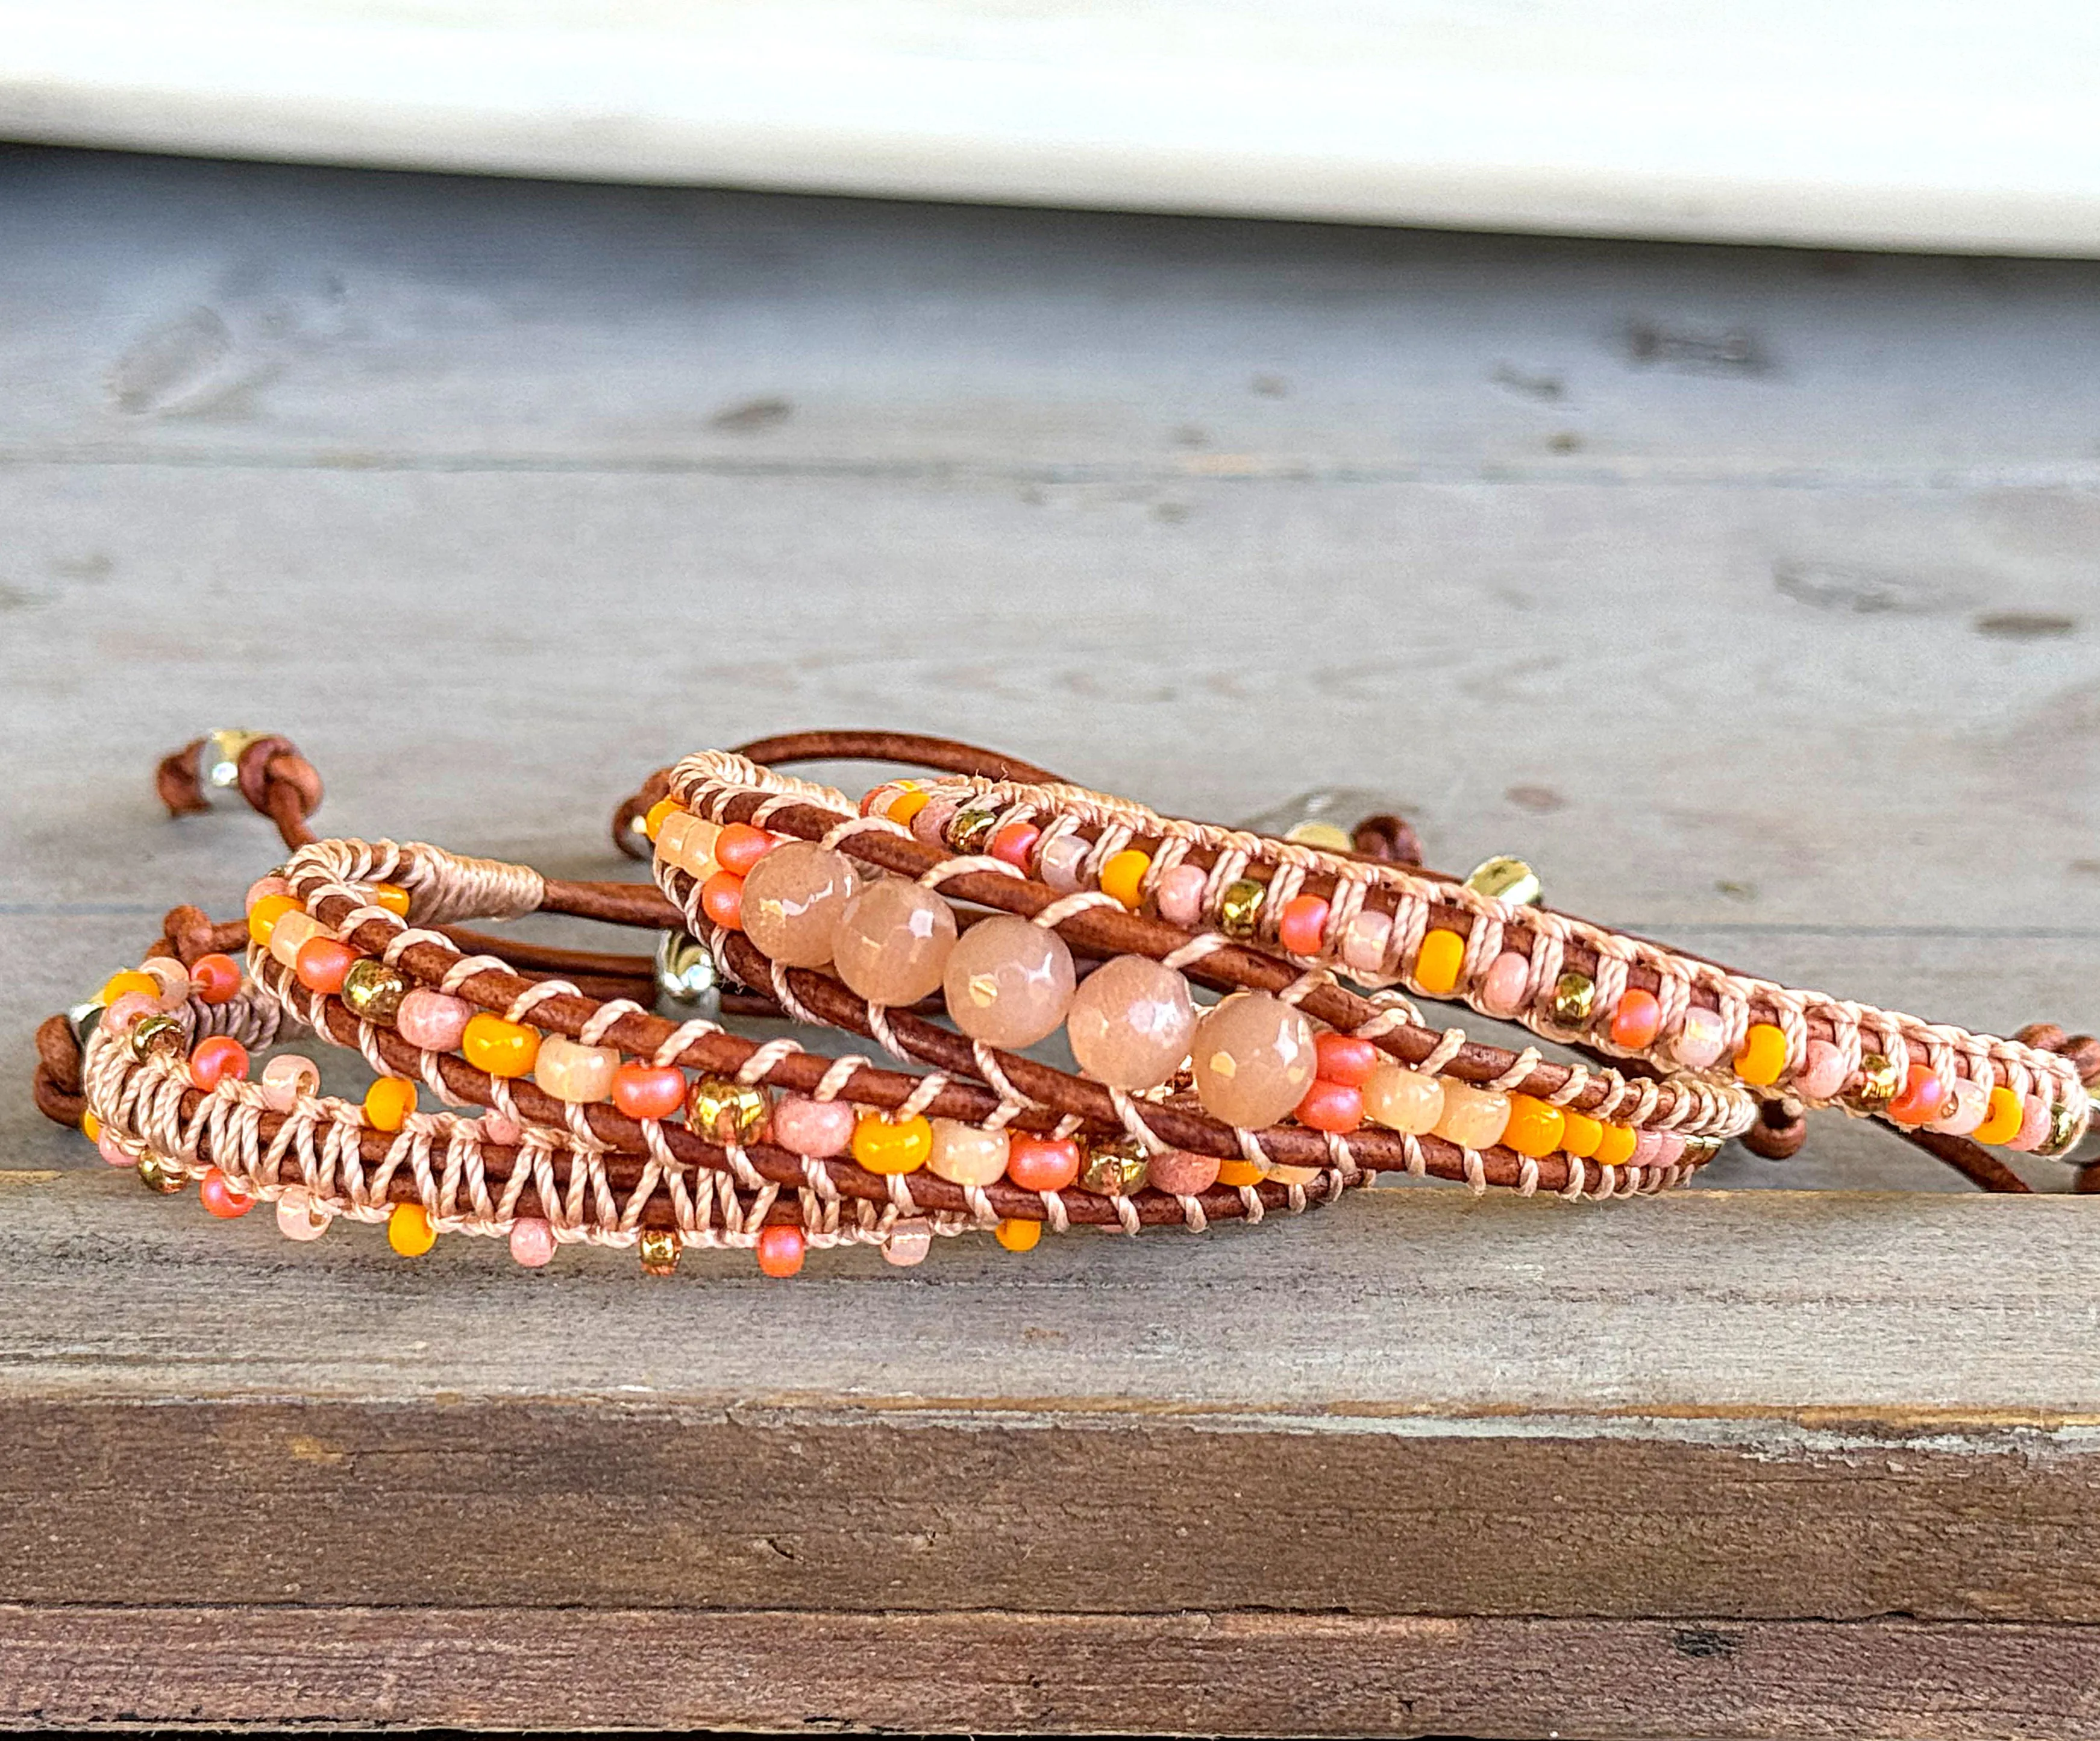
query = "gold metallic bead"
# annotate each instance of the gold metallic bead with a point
(1506, 879)
(722, 1110)
(1574, 995)
(1115, 1169)
(2065, 1127)
(973, 829)
(155, 1033)
(1875, 1086)
(658, 1251)
(1698, 1151)
(686, 975)
(159, 1172)
(373, 990)
(1239, 907)
(1324, 837)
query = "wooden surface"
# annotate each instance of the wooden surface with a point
(1944, 125)
(1749, 595)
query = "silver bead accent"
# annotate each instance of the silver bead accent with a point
(83, 1019)
(218, 765)
(686, 978)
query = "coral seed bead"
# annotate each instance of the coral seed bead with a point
(264, 916)
(388, 1102)
(1342, 1058)
(739, 846)
(1763, 1055)
(1122, 877)
(2001, 1123)
(1535, 1126)
(1017, 1235)
(1302, 925)
(144, 984)
(721, 899)
(892, 1146)
(323, 963)
(216, 1060)
(780, 1251)
(1042, 1163)
(408, 1229)
(1334, 1106)
(1015, 842)
(1437, 962)
(219, 1198)
(648, 1090)
(501, 1048)
(652, 819)
(215, 978)
(1635, 1021)
(1918, 1103)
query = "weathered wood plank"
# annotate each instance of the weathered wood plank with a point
(1192, 1672)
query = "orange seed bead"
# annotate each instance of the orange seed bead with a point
(215, 978)
(264, 916)
(408, 1229)
(1238, 1173)
(117, 984)
(652, 819)
(1763, 1055)
(1437, 962)
(2001, 1122)
(739, 846)
(1617, 1148)
(388, 1102)
(218, 1059)
(780, 1251)
(393, 897)
(1535, 1126)
(892, 1146)
(1017, 1235)
(1122, 877)
(907, 804)
(1580, 1135)
(501, 1048)
(1634, 1022)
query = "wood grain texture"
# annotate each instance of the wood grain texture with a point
(1060, 1673)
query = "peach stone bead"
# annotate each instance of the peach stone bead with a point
(1182, 1174)
(1474, 1118)
(578, 1074)
(792, 899)
(2034, 1124)
(291, 931)
(297, 1218)
(817, 1128)
(1179, 895)
(1965, 1112)
(963, 1155)
(432, 1020)
(1403, 1099)
(931, 825)
(892, 942)
(171, 976)
(1009, 982)
(687, 842)
(285, 1078)
(1131, 1022)
(1255, 1057)
(1505, 987)
(1059, 862)
(531, 1242)
(1365, 940)
(1698, 1043)
(1822, 1072)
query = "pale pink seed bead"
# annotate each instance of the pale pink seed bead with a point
(432, 1020)
(931, 825)
(580, 1075)
(290, 935)
(1697, 1045)
(1059, 861)
(2034, 1124)
(818, 1128)
(964, 1155)
(1179, 894)
(1672, 1150)
(286, 1077)
(1365, 941)
(1822, 1072)
(1131, 1022)
(1972, 1103)
(531, 1242)
(296, 1218)
(908, 1243)
(1182, 1174)
(114, 1152)
(493, 1127)
(1507, 979)
(1648, 1149)
(173, 978)
(123, 1015)
(263, 886)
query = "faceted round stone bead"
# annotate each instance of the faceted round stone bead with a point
(435, 1021)
(1042, 1163)
(220, 1199)
(1474, 1118)
(963, 1155)
(501, 1048)
(1131, 1022)
(408, 1229)
(893, 941)
(643, 1090)
(1506, 986)
(299, 1218)
(893, 1145)
(908, 1242)
(215, 978)
(792, 899)
(780, 1250)
(580, 1075)
(1699, 1039)
(1180, 1173)
(1009, 982)
(1179, 894)
(373, 990)
(531, 1242)
(1403, 1099)
(819, 1128)
(216, 1060)
(287, 1077)
(1254, 1058)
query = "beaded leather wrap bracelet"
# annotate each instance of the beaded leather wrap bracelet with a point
(1012, 904)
